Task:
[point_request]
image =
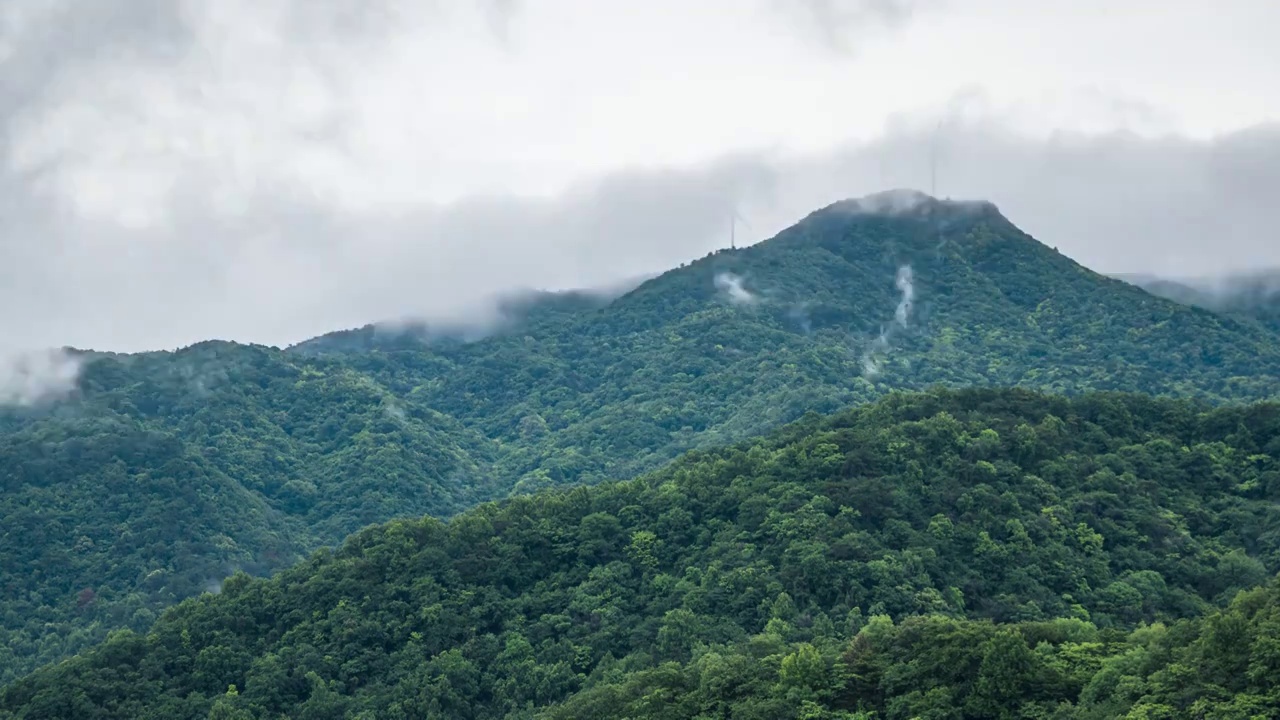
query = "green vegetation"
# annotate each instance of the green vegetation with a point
(169, 471)
(1254, 295)
(607, 392)
(983, 553)
(175, 470)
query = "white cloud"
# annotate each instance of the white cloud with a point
(731, 286)
(269, 170)
(32, 377)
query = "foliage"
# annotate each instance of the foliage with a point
(168, 471)
(174, 470)
(983, 553)
(1254, 295)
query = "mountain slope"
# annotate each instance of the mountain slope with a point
(363, 426)
(318, 440)
(677, 363)
(171, 471)
(1247, 295)
(854, 563)
(162, 525)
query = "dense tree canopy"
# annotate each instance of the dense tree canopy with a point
(175, 470)
(983, 553)
(1253, 295)
(167, 471)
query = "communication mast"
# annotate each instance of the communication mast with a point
(933, 161)
(734, 219)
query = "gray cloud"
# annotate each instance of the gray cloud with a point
(289, 268)
(841, 24)
(153, 195)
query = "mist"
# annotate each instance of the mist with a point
(905, 282)
(30, 378)
(874, 356)
(731, 286)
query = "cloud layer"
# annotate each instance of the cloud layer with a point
(268, 171)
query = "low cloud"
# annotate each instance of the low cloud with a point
(905, 282)
(286, 268)
(731, 286)
(165, 180)
(32, 377)
(874, 356)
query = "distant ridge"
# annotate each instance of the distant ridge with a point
(163, 470)
(1254, 295)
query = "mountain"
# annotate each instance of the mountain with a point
(1254, 295)
(169, 471)
(504, 314)
(248, 457)
(978, 554)
(742, 341)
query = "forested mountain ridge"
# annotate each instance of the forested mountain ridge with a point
(285, 451)
(1254, 295)
(741, 341)
(983, 553)
(171, 471)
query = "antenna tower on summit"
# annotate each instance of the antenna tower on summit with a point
(734, 219)
(933, 186)
(933, 161)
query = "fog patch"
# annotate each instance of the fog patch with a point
(33, 377)
(731, 285)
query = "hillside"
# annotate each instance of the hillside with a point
(171, 471)
(986, 553)
(1248, 295)
(254, 455)
(742, 341)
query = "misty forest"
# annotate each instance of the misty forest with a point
(900, 461)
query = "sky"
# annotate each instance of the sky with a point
(270, 170)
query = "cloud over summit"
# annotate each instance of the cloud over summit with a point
(171, 172)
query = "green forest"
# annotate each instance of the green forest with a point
(789, 480)
(977, 553)
(1252, 296)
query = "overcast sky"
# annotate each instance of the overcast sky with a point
(268, 170)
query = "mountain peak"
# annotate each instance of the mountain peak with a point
(283, 454)
(907, 202)
(894, 200)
